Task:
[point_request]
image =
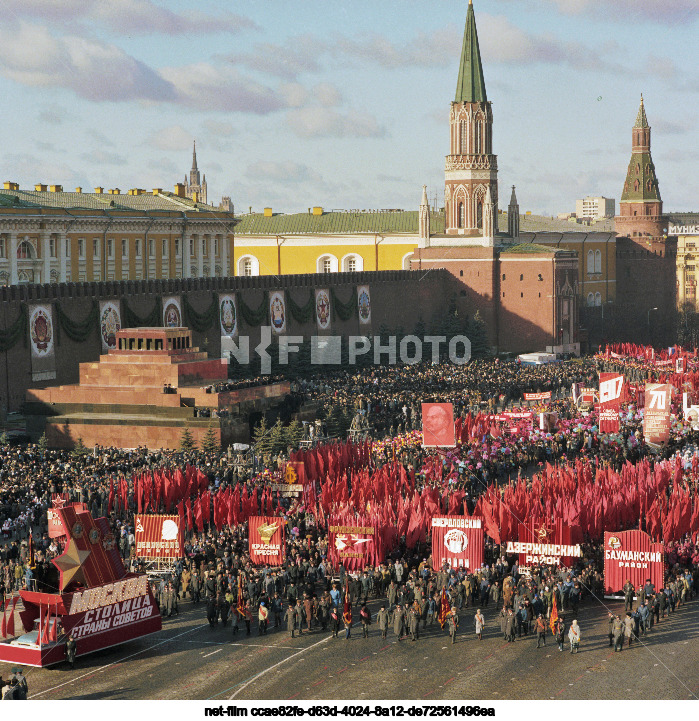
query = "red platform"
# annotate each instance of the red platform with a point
(98, 601)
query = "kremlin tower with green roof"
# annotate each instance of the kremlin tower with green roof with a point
(471, 169)
(641, 207)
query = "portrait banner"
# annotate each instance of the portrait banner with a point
(438, 425)
(110, 323)
(159, 536)
(610, 388)
(172, 312)
(354, 546)
(277, 311)
(656, 414)
(41, 336)
(228, 316)
(364, 304)
(458, 541)
(323, 309)
(632, 556)
(266, 540)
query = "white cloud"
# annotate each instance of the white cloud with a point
(320, 122)
(664, 12)
(297, 56)
(92, 70)
(205, 87)
(327, 95)
(128, 17)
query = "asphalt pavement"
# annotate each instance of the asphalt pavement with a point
(188, 660)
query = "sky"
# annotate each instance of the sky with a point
(345, 104)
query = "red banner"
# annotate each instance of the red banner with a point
(352, 546)
(295, 473)
(458, 541)
(538, 396)
(610, 388)
(632, 556)
(547, 543)
(656, 417)
(266, 540)
(438, 425)
(159, 537)
(58, 501)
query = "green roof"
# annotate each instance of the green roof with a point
(394, 221)
(641, 182)
(527, 248)
(470, 87)
(99, 201)
(641, 119)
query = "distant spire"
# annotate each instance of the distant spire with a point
(194, 156)
(470, 87)
(513, 197)
(641, 120)
(424, 195)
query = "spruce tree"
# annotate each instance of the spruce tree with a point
(79, 449)
(277, 438)
(260, 437)
(187, 442)
(293, 433)
(43, 444)
(210, 444)
(478, 335)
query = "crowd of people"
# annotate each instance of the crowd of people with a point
(406, 593)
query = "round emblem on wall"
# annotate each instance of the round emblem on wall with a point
(77, 530)
(94, 535)
(109, 542)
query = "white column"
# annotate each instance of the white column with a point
(46, 254)
(224, 255)
(212, 256)
(200, 254)
(184, 253)
(61, 240)
(14, 275)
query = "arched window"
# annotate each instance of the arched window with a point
(462, 215)
(590, 300)
(24, 250)
(326, 264)
(351, 263)
(477, 137)
(590, 261)
(248, 265)
(598, 261)
(636, 185)
(479, 213)
(598, 299)
(464, 138)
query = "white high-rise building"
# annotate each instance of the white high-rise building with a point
(595, 207)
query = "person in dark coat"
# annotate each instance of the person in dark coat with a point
(382, 620)
(397, 619)
(71, 648)
(291, 620)
(365, 617)
(453, 621)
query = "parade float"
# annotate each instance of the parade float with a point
(97, 601)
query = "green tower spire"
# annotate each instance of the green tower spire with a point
(641, 119)
(470, 87)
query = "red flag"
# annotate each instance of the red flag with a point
(444, 608)
(10, 627)
(45, 630)
(198, 518)
(3, 624)
(206, 507)
(110, 502)
(554, 615)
